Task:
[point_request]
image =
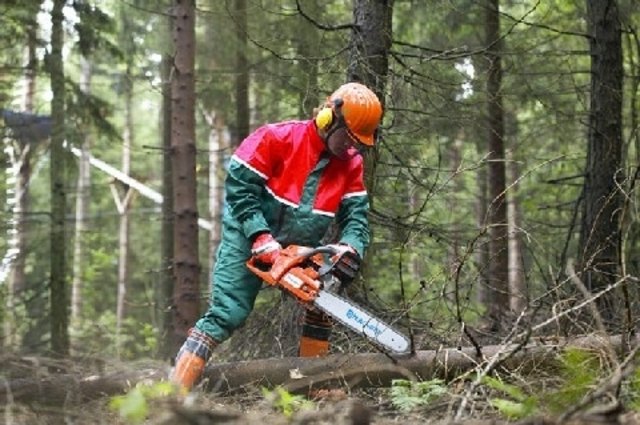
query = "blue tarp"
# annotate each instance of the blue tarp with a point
(26, 127)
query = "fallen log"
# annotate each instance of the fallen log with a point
(352, 371)
(299, 374)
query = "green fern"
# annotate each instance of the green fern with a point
(409, 395)
(134, 406)
(580, 371)
(285, 402)
(521, 405)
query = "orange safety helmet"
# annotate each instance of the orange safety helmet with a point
(358, 107)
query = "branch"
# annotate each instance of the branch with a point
(321, 26)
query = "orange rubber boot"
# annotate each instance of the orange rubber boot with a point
(316, 330)
(192, 359)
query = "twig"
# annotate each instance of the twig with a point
(491, 364)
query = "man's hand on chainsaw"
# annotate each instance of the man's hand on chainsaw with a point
(265, 248)
(346, 262)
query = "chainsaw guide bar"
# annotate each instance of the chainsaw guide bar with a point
(303, 273)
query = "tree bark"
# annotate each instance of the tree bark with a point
(600, 229)
(82, 206)
(219, 142)
(518, 293)
(307, 45)
(481, 248)
(369, 60)
(243, 116)
(164, 284)
(123, 202)
(371, 39)
(498, 225)
(20, 156)
(186, 266)
(57, 285)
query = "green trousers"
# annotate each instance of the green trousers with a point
(233, 287)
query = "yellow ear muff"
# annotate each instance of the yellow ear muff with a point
(324, 118)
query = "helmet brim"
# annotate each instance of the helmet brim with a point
(367, 140)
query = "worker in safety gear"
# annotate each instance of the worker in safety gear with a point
(286, 183)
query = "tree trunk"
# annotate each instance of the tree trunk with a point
(242, 73)
(498, 225)
(518, 294)
(57, 285)
(481, 248)
(82, 207)
(600, 229)
(369, 60)
(123, 203)
(20, 158)
(218, 144)
(164, 287)
(186, 266)
(307, 45)
(17, 283)
(369, 64)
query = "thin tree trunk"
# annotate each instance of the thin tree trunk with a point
(164, 286)
(20, 158)
(481, 251)
(186, 266)
(307, 44)
(517, 285)
(123, 204)
(218, 144)
(82, 207)
(18, 283)
(498, 224)
(242, 73)
(57, 285)
(455, 160)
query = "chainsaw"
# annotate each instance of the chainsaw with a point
(303, 273)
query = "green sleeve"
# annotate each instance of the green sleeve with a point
(353, 221)
(244, 189)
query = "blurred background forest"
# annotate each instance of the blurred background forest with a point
(502, 185)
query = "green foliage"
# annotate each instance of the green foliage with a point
(136, 340)
(579, 371)
(519, 406)
(285, 402)
(632, 390)
(134, 406)
(94, 28)
(410, 395)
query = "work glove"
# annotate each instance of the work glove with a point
(346, 262)
(265, 248)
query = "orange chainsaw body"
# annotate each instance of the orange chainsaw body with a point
(293, 272)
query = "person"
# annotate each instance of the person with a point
(286, 184)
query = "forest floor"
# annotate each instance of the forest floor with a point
(357, 409)
(373, 406)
